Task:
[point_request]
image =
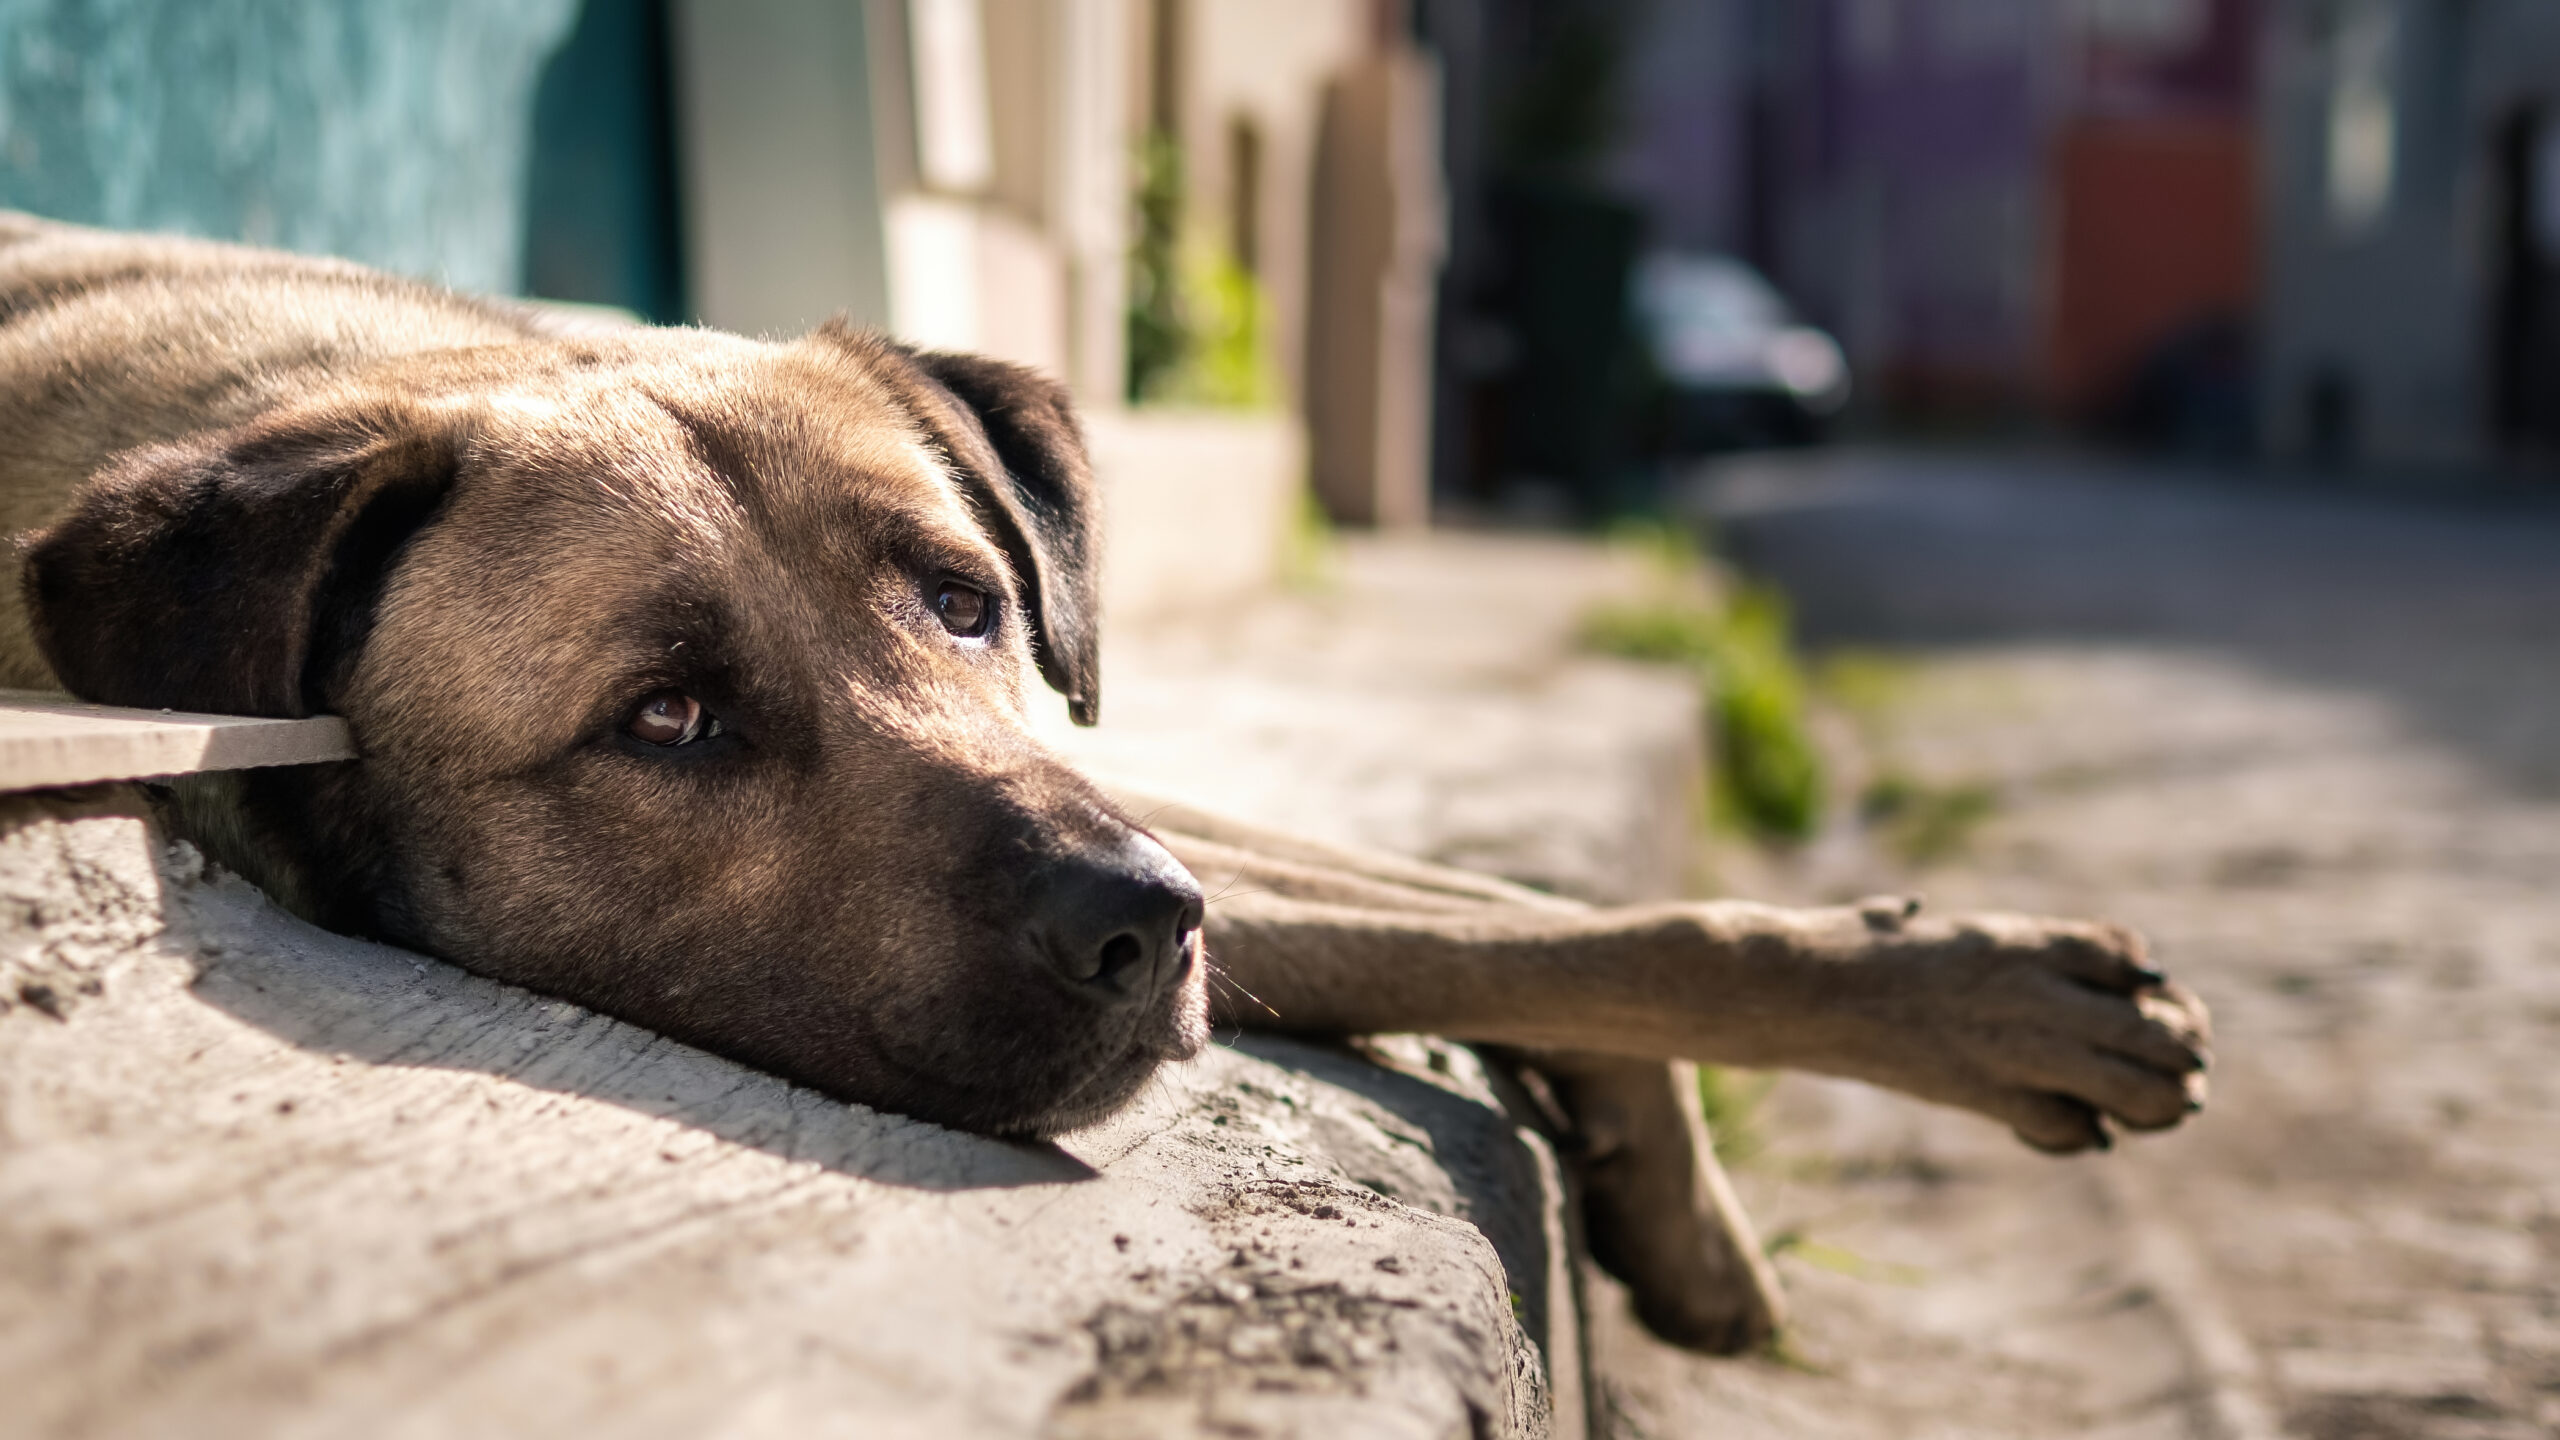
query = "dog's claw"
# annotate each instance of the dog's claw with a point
(1885, 914)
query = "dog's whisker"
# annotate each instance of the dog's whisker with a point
(1222, 897)
(1218, 982)
(1223, 889)
(1232, 983)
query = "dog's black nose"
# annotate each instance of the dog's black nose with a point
(1119, 922)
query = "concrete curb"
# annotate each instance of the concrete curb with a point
(260, 1179)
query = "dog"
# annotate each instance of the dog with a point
(688, 676)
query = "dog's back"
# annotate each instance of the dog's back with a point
(111, 341)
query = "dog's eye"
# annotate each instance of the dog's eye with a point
(671, 717)
(963, 609)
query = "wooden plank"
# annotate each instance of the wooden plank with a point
(51, 739)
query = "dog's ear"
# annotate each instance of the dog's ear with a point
(1012, 437)
(236, 572)
(1042, 487)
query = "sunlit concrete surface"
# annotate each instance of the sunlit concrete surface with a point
(2306, 741)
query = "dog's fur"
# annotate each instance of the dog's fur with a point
(261, 483)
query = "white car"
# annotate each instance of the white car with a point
(1739, 368)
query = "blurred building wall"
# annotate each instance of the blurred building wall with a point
(1685, 145)
(1905, 157)
(958, 172)
(2153, 243)
(393, 134)
(1253, 81)
(1376, 241)
(2414, 227)
(778, 145)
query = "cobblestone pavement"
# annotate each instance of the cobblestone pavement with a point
(2311, 745)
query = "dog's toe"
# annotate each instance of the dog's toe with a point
(1725, 1320)
(2055, 1124)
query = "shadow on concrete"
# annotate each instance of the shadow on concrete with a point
(333, 995)
(2448, 608)
(339, 996)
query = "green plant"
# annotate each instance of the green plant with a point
(1307, 548)
(1866, 683)
(1842, 1261)
(1776, 778)
(1671, 549)
(1767, 775)
(1226, 362)
(1926, 822)
(1730, 1100)
(1157, 336)
(1197, 318)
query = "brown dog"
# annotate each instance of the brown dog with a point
(689, 672)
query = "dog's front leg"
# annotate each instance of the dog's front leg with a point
(2052, 1027)
(2038, 1023)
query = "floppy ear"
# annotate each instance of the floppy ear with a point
(1011, 434)
(235, 572)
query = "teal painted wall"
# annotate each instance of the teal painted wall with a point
(602, 222)
(395, 132)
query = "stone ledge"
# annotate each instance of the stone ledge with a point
(257, 1178)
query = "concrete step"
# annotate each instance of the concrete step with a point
(260, 1179)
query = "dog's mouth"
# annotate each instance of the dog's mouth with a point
(1073, 1093)
(1178, 1031)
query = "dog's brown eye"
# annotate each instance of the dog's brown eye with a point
(963, 608)
(670, 717)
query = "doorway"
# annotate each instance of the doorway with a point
(2526, 321)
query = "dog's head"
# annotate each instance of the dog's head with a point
(688, 675)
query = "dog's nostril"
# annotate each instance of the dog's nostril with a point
(1118, 953)
(1118, 924)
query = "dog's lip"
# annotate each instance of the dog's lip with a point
(1186, 996)
(1170, 1026)
(1182, 1034)
(1103, 1093)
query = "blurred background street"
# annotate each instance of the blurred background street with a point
(2307, 743)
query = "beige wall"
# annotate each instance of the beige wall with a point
(1198, 507)
(782, 212)
(1378, 237)
(1026, 263)
(1067, 89)
(1267, 61)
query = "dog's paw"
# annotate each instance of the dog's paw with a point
(1657, 1210)
(1695, 1275)
(2055, 1027)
